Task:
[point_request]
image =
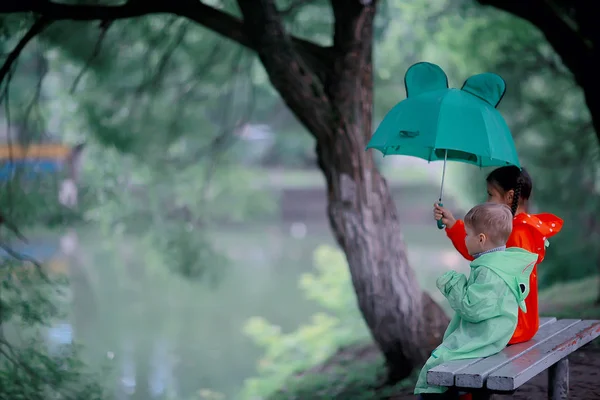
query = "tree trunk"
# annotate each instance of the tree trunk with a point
(361, 210)
(335, 104)
(365, 223)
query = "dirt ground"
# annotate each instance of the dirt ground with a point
(584, 380)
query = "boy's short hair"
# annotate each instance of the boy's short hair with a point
(492, 219)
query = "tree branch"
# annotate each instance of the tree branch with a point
(216, 20)
(38, 26)
(577, 52)
(349, 88)
(564, 38)
(293, 75)
(95, 52)
(353, 21)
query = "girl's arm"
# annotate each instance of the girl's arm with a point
(457, 235)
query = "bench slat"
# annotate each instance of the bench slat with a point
(537, 360)
(474, 375)
(443, 375)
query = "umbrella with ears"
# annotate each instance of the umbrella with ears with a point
(436, 122)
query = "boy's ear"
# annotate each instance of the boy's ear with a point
(488, 87)
(424, 77)
(482, 238)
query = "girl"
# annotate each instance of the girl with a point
(512, 186)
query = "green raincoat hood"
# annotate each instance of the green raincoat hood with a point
(514, 266)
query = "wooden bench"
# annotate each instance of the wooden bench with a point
(517, 364)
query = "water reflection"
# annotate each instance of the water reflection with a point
(162, 380)
(59, 336)
(127, 367)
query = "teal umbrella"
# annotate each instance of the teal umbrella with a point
(436, 123)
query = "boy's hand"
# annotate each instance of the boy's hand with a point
(444, 279)
(443, 214)
(449, 280)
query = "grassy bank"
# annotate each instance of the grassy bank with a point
(572, 299)
(356, 372)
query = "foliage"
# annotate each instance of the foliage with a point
(127, 93)
(156, 170)
(26, 199)
(311, 344)
(173, 210)
(29, 368)
(21, 94)
(34, 204)
(168, 189)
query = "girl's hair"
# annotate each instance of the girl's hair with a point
(512, 178)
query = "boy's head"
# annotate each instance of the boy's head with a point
(488, 226)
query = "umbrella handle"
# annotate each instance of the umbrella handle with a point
(440, 224)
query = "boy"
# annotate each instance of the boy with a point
(486, 305)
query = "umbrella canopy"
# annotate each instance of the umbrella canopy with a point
(435, 122)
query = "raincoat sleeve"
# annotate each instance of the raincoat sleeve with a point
(457, 235)
(476, 301)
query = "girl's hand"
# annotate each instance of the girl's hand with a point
(443, 214)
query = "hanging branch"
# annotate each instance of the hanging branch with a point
(95, 52)
(38, 26)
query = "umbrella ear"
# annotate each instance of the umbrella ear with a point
(424, 77)
(489, 87)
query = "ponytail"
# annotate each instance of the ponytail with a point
(516, 196)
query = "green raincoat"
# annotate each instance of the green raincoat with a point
(486, 307)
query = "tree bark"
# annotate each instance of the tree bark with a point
(336, 107)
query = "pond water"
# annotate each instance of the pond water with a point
(165, 337)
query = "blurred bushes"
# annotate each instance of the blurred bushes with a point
(289, 353)
(30, 366)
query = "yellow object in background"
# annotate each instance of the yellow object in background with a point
(57, 266)
(35, 151)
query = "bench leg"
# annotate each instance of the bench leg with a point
(558, 380)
